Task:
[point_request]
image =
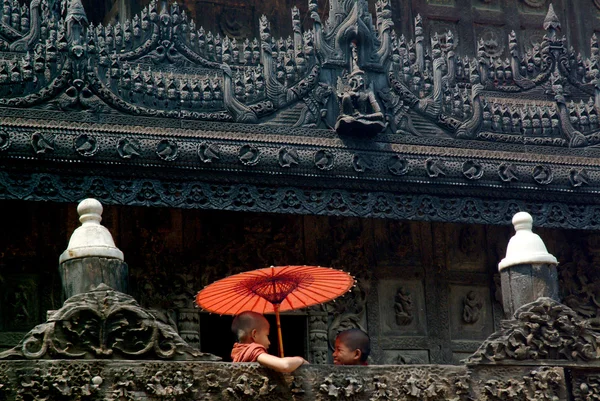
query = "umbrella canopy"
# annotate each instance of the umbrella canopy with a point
(274, 289)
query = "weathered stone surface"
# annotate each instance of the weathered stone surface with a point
(104, 324)
(542, 332)
(81, 275)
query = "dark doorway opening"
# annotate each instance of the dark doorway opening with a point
(216, 336)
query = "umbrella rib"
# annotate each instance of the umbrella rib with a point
(325, 285)
(309, 296)
(212, 293)
(215, 306)
(206, 304)
(241, 308)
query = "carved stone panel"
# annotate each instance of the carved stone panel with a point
(402, 307)
(19, 302)
(520, 383)
(470, 312)
(465, 245)
(405, 357)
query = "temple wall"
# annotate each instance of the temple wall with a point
(428, 292)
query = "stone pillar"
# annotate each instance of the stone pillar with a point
(318, 340)
(528, 271)
(91, 257)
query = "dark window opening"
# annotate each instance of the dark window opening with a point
(216, 336)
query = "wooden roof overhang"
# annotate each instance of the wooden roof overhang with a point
(158, 112)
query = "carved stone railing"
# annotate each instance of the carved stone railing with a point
(166, 380)
(103, 345)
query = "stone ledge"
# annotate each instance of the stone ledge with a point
(141, 380)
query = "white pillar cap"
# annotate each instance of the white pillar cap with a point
(91, 239)
(525, 247)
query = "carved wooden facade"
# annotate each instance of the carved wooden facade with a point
(468, 137)
(365, 110)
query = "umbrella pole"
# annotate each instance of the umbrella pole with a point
(276, 307)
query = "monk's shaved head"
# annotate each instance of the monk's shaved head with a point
(356, 339)
(245, 322)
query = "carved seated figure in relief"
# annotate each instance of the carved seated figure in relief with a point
(360, 113)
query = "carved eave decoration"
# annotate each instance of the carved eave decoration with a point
(544, 332)
(157, 111)
(105, 324)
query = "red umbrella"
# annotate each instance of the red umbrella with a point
(274, 289)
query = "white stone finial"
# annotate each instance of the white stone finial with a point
(92, 239)
(525, 247)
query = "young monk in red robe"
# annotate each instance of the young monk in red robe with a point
(252, 330)
(352, 347)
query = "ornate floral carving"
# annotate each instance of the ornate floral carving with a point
(60, 382)
(586, 387)
(123, 386)
(103, 323)
(339, 386)
(541, 384)
(170, 384)
(541, 330)
(249, 387)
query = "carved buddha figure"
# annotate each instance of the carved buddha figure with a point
(360, 113)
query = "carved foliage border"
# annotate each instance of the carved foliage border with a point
(291, 200)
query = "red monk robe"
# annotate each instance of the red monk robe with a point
(247, 352)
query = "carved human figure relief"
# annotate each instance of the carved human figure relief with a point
(403, 307)
(472, 305)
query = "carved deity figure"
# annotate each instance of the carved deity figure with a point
(403, 307)
(360, 113)
(472, 307)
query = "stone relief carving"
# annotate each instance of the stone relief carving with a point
(170, 384)
(63, 62)
(541, 384)
(586, 386)
(103, 323)
(541, 330)
(123, 386)
(472, 305)
(60, 382)
(403, 307)
(360, 113)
